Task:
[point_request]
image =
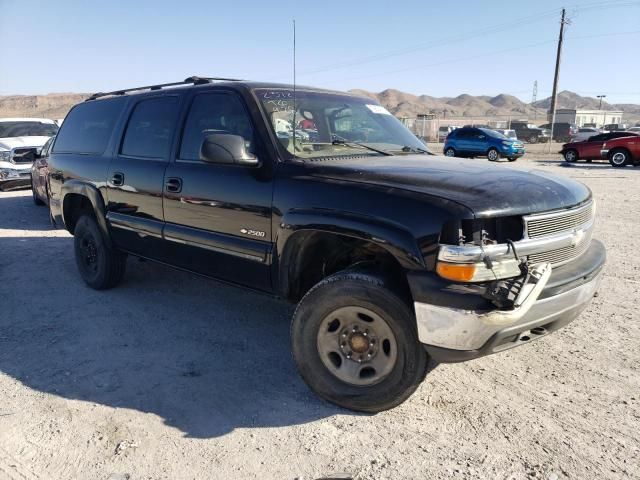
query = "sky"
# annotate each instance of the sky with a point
(442, 48)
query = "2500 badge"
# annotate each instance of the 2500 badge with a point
(254, 233)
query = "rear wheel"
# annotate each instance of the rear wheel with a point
(493, 155)
(450, 152)
(571, 156)
(100, 266)
(355, 343)
(619, 157)
(533, 139)
(34, 195)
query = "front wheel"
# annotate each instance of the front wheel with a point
(100, 266)
(355, 343)
(450, 152)
(570, 156)
(493, 155)
(619, 157)
(533, 139)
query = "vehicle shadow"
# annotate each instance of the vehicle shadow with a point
(205, 357)
(18, 212)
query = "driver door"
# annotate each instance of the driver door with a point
(218, 216)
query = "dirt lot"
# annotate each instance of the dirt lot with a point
(171, 376)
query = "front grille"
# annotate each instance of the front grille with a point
(572, 221)
(559, 222)
(561, 255)
(24, 155)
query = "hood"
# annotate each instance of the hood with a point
(487, 189)
(8, 143)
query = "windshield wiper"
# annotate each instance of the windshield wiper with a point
(408, 149)
(348, 143)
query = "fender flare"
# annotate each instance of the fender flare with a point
(393, 238)
(94, 196)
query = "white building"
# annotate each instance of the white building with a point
(580, 117)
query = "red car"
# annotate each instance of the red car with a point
(622, 151)
(39, 171)
(590, 149)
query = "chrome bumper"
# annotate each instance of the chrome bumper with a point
(457, 329)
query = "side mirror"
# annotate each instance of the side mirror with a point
(226, 148)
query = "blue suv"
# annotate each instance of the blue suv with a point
(480, 142)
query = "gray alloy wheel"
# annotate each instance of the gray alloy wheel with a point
(493, 155)
(450, 152)
(357, 345)
(570, 156)
(619, 158)
(533, 139)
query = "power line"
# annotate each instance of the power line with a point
(468, 35)
(474, 57)
(436, 43)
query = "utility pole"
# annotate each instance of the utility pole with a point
(554, 93)
(533, 100)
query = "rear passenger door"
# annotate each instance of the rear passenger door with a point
(136, 173)
(218, 216)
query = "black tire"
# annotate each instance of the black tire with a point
(360, 290)
(34, 195)
(533, 139)
(571, 156)
(100, 266)
(619, 157)
(493, 154)
(449, 152)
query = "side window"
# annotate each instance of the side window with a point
(88, 127)
(214, 113)
(45, 149)
(150, 128)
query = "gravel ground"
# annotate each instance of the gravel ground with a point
(171, 376)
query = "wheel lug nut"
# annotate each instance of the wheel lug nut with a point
(359, 360)
(364, 334)
(368, 355)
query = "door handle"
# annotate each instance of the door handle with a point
(173, 185)
(117, 179)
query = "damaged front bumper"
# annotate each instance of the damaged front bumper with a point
(457, 323)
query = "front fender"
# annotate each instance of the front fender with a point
(393, 238)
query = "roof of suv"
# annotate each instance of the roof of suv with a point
(195, 82)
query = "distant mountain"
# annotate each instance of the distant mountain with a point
(53, 105)
(401, 104)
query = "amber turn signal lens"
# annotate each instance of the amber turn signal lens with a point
(458, 272)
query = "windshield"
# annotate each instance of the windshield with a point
(493, 133)
(27, 129)
(334, 125)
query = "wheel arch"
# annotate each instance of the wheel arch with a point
(77, 197)
(311, 247)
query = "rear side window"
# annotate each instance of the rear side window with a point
(88, 127)
(150, 128)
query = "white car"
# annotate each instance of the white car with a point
(634, 129)
(584, 134)
(20, 141)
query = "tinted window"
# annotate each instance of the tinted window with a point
(45, 148)
(464, 133)
(599, 138)
(150, 128)
(214, 113)
(27, 129)
(88, 126)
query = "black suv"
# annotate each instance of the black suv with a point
(325, 199)
(529, 133)
(562, 131)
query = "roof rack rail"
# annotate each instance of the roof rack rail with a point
(194, 80)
